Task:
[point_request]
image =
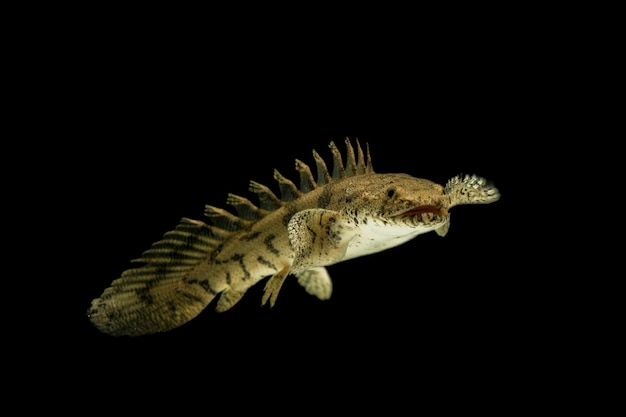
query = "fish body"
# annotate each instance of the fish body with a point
(340, 215)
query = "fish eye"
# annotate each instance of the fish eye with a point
(391, 192)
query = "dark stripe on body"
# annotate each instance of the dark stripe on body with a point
(242, 265)
(324, 199)
(267, 263)
(290, 211)
(204, 284)
(270, 246)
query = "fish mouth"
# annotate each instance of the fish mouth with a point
(420, 210)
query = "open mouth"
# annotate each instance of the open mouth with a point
(439, 211)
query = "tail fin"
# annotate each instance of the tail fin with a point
(157, 296)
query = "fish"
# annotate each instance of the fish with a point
(340, 214)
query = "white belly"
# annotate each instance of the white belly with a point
(376, 237)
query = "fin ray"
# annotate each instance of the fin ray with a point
(164, 293)
(156, 296)
(338, 168)
(307, 182)
(288, 190)
(245, 208)
(316, 281)
(225, 220)
(323, 176)
(267, 198)
(351, 167)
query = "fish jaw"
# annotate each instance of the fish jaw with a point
(377, 235)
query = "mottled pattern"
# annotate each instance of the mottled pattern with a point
(332, 216)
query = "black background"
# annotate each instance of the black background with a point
(153, 127)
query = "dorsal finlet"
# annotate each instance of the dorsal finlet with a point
(323, 176)
(369, 167)
(267, 199)
(356, 164)
(362, 165)
(224, 219)
(338, 168)
(307, 182)
(245, 208)
(351, 167)
(288, 190)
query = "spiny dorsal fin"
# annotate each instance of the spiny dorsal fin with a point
(353, 167)
(247, 212)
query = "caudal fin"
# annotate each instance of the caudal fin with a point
(158, 296)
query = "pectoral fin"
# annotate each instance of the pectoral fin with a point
(316, 281)
(443, 230)
(319, 237)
